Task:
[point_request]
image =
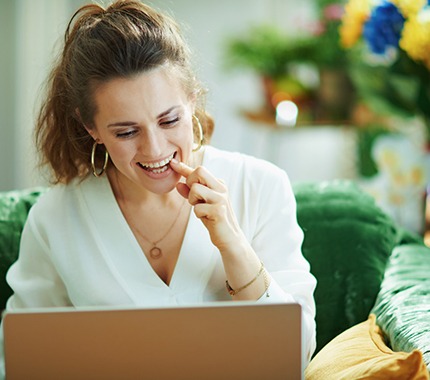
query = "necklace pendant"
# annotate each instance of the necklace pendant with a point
(155, 252)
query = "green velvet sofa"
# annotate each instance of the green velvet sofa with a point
(363, 262)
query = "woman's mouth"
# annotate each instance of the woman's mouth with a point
(157, 167)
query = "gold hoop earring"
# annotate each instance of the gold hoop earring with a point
(199, 126)
(93, 161)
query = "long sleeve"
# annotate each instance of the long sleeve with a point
(33, 277)
(277, 241)
(264, 203)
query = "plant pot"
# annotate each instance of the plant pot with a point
(335, 97)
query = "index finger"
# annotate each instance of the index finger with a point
(181, 168)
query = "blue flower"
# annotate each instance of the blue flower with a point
(384, 27)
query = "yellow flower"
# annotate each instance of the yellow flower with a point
(356, 14)
(417, 176)
(415, 38)
(409, 8)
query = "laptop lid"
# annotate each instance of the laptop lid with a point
(237, 340)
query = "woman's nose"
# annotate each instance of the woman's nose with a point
(152, 143)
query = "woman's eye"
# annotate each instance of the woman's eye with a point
(170, 122)
(125, 134)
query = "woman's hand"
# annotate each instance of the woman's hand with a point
(210, 199)
(211, 202)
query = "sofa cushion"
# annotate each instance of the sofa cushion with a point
(14, 207)
(361, 353)
(348, 240)
(403, 303)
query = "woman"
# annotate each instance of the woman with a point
(143, 212)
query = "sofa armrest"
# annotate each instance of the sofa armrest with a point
(403, 303)
(348, 241)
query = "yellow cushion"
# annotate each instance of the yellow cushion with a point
(361, 353)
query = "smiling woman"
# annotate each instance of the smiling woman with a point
(166, 219)
(143, 122)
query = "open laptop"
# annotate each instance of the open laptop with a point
(234, 340)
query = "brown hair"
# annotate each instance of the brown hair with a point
(123, 40)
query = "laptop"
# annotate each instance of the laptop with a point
(231, 340)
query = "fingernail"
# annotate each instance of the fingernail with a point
(174, 161)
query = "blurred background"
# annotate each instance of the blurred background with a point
(326, 90)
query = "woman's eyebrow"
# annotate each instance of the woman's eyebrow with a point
(167, 111)
(122, 124)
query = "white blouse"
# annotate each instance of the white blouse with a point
(78, 250)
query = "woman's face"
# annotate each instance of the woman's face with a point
(144, 122)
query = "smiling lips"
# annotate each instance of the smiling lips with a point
(157, 167)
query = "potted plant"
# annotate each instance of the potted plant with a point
(275, 56)
(270, 53)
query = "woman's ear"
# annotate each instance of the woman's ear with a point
(93, 133)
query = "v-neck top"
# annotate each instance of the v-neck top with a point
(129, 265)
(78, 250)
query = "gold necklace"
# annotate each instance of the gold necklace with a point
(155, 252)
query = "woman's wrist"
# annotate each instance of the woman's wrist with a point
(233, 292)
(261, 273)
(246, 277)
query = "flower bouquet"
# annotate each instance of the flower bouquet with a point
(391, 65)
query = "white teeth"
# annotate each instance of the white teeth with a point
(158, 171)
(155, 165)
